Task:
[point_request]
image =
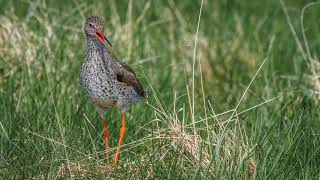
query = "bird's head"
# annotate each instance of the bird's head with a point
(94, 28)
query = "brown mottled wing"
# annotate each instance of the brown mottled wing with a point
(126, 66)
(126, 75)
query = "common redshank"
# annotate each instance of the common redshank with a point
(107, 82)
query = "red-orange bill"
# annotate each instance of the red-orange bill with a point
(102, 38)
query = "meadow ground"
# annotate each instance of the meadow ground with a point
(233, 90)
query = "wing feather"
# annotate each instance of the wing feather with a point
(125, 74)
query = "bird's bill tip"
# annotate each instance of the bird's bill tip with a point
(102, 38)
(109, 42)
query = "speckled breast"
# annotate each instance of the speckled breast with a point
(97, 86)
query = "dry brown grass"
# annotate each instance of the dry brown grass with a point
(78, 170)
(16, 46)
(312, 61)
(314, 80)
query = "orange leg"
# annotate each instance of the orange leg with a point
(122, 132)
(106, 135)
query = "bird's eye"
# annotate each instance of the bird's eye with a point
(90, 24)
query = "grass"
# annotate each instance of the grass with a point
(233, 90)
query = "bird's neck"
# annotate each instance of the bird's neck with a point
(96, 49)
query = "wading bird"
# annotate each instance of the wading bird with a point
(107, 82)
